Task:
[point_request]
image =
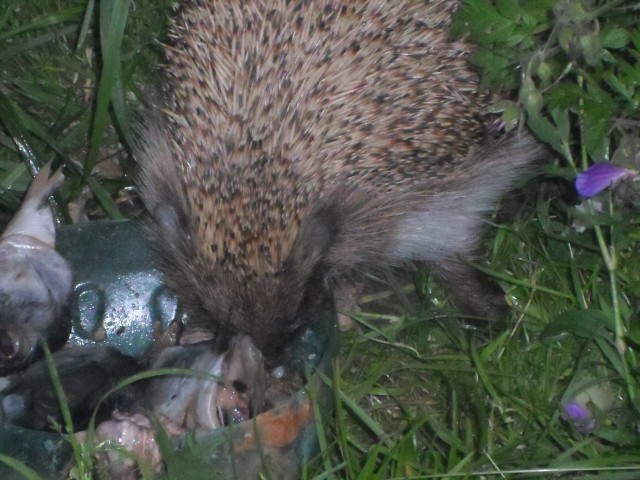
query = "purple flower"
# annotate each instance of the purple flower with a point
(600, 176)
(579, 415)
(577, 412)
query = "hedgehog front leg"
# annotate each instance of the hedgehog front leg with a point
(470, 290)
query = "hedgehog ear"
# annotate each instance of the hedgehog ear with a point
(316, 236)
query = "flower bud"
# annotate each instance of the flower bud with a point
(591, 47)
(531, 97)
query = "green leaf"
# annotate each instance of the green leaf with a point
(561, 119)
(597, 115)
(86, 20)
(563, 96)
(633, 335)
(55, 20)
(618, 85)
(588, 323)
(497, 67)
(546, 132)
(113, 18)
(614, 37)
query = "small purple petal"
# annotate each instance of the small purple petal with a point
(577, 412)
(498, 125)
(600, 176)
(580, 416)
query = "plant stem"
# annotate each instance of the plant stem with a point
(66, 414)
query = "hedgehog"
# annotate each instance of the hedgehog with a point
(301, 144)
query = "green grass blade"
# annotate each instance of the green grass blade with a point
(20, 467)
(113, 18)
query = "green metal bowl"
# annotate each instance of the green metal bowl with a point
(120, 301)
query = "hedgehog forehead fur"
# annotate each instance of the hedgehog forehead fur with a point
(277, 106)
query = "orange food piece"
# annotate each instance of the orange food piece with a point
(277, 429)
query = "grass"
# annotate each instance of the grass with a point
(417, 395)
